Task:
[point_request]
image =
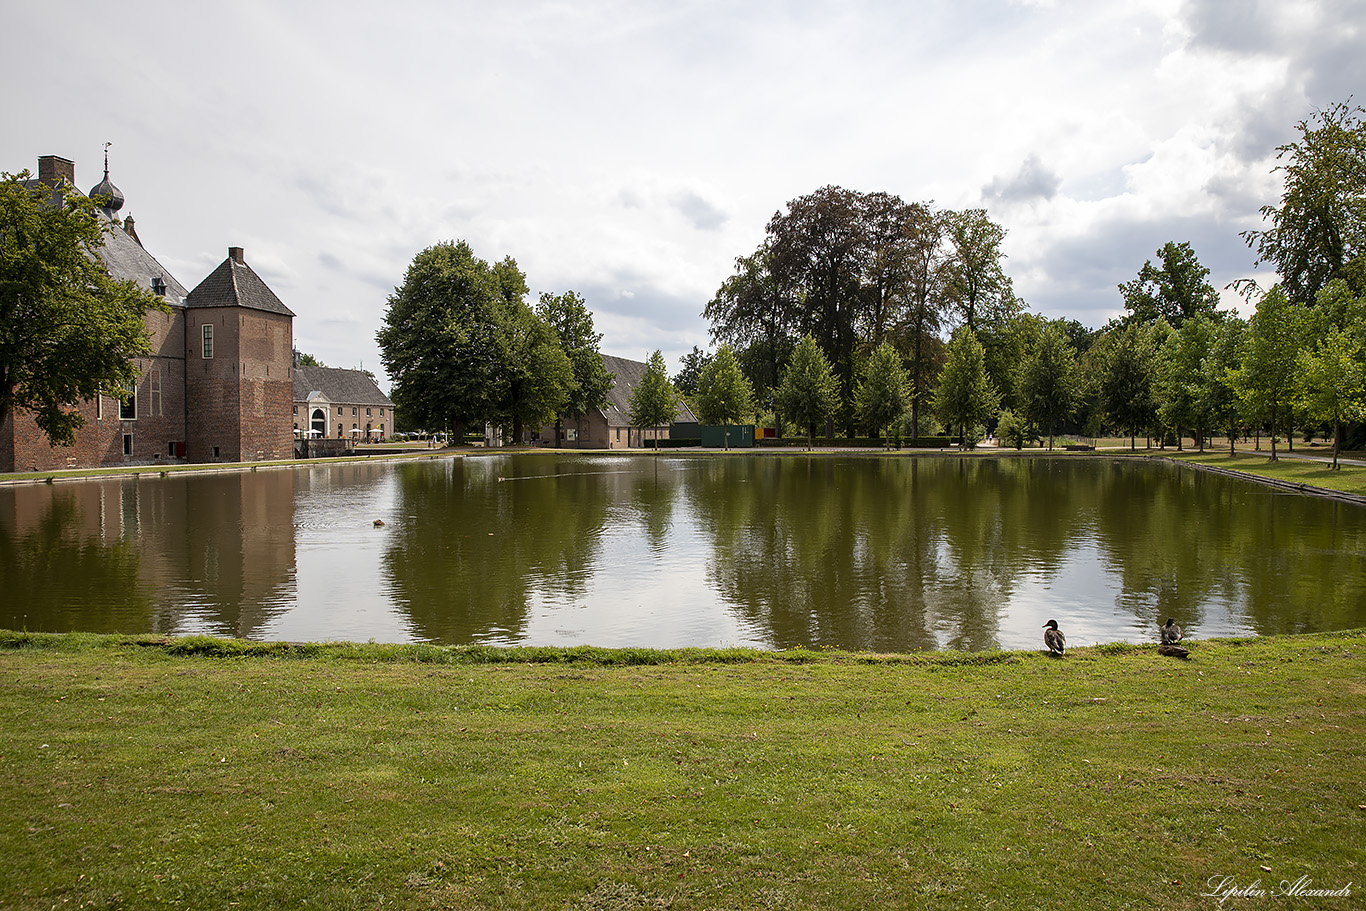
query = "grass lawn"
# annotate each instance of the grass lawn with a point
(217, 774)
(1348, 478)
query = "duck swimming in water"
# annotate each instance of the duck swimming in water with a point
(1054, 639)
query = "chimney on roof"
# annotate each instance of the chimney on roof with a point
(52, 169)
(237, 255)
(128, 229)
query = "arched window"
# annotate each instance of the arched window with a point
(320, 421)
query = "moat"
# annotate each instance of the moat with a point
(772, 551)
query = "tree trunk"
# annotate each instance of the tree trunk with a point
(1273, 435)
(1337, 440)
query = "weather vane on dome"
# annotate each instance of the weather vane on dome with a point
(106, 159)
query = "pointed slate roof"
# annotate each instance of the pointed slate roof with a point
(234, 284)
(338, 385)
(628, 375)
(125, 259)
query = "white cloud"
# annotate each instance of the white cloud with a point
(632, 150)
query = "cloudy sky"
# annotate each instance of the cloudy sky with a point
(631, 150)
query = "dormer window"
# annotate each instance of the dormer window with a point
(159, 286)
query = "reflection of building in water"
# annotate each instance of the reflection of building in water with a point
(236, 554)
(173, 555)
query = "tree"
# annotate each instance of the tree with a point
(977, 284)
(724, 395)
(965, 396)
(1181, 377)
(1318, 233)
(809, 391)
(690, 369)
(68, 332)
(1267, 380)
(1219, 395)
(754, 313)
(655, 401)
(818, 257)
(1126, 390)
(1176, 292)
(923, 318)
(444, 341)
(1011, 430)
(307, 360)
(882, 390)
(540, 377)
(1049, 383)
(1334, 382)
(568, 315)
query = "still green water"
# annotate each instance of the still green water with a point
(855, 552)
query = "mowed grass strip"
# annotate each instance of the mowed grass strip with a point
(1347, 479)
(141, 773)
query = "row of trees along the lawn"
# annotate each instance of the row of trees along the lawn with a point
(839, 319)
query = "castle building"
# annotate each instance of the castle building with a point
(218, 386)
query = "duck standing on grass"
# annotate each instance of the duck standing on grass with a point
(1054, 639)
(1171, 634)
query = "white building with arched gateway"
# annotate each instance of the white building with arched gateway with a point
(336, 403)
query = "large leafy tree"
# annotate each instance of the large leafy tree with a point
(977, 285)
(1219, 393)
(923, 314)
(1318, 232)
(1127, 383)
(1267, 381)
(1332, 368)
(965, 397)
(68, 332)
(568, 315)
(1049, 382)
(445, 340)
(882, 390)
(809, 391)
(1175, 292)
(1334, 382)
(1181, 377)
(819, 255)
(753, 312)
(724, 395)
(690, 368)
(540, 377)
(654, 402)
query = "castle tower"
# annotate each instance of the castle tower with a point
(239, 339)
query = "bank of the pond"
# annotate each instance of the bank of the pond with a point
(142, 772)
(1293, 475)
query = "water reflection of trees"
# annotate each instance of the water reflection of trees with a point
(877, 553)
(59, 570)
(471, 550)
(1184, 542)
